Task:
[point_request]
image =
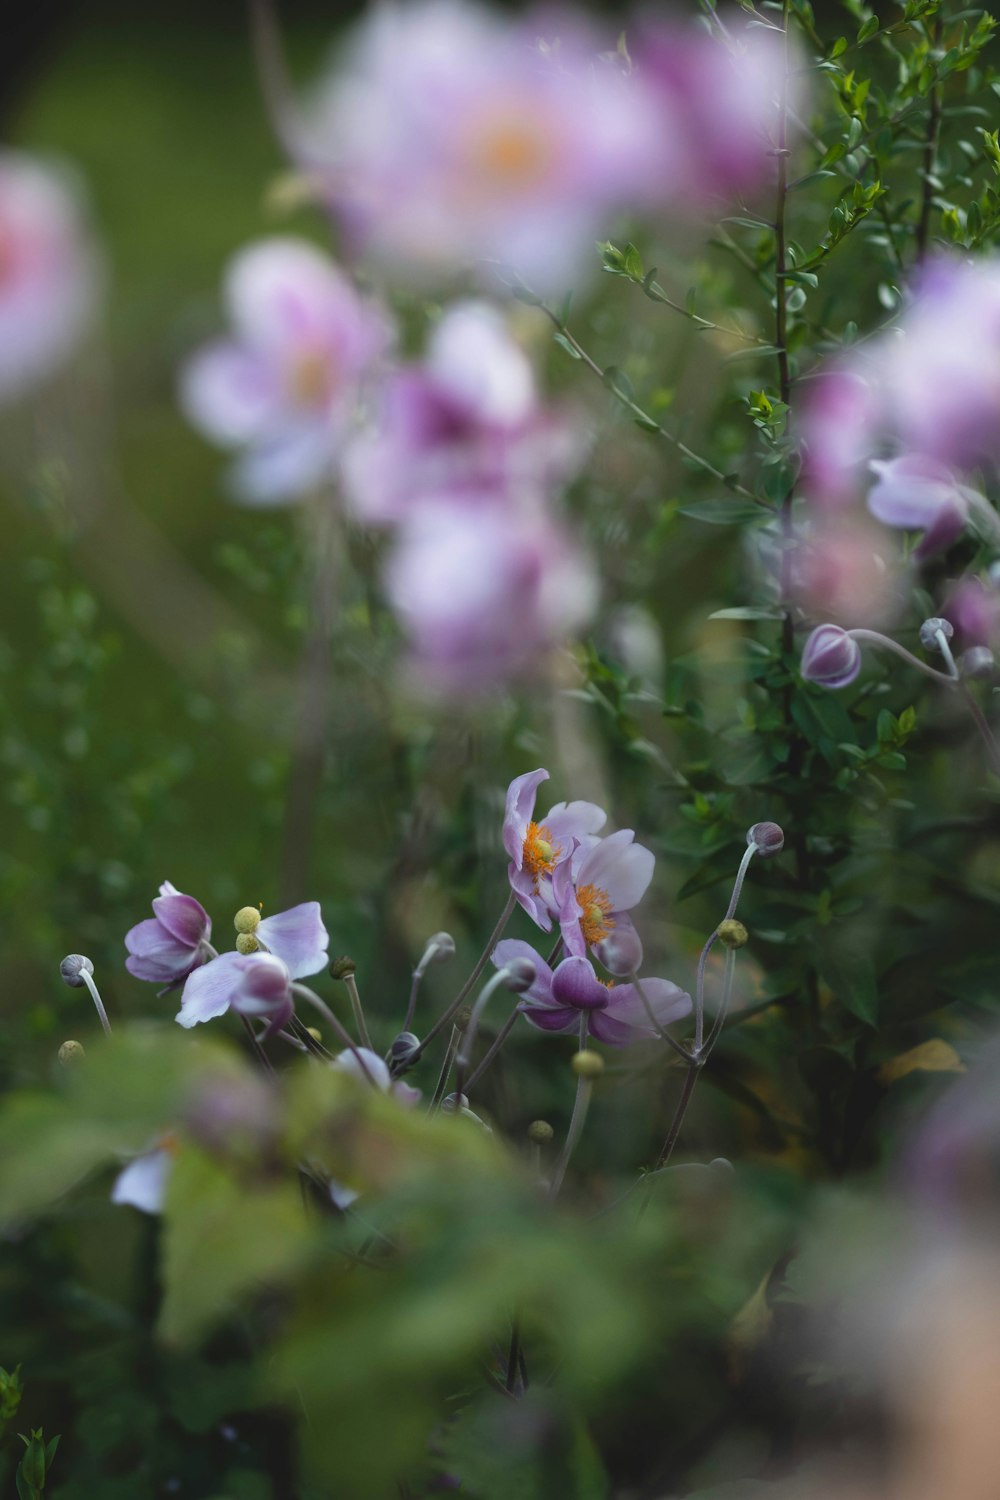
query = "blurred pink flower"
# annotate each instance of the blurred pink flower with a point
(973, 607)
(718, 108)
(465, 422)
(843, 571)
(450, 135)
(48, 272)
(485, 595)
(286, 388)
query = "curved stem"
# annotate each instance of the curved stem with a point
(493, 1049)
(357, 1011)
(469, 1033)
(581, 1104)
(878, 639)
(481, 963)
(339, 1030)
(88, 980)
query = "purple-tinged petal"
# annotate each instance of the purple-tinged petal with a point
(548, 1019)
(183, 917)
(229, 393)
(621, 951)
(574, 820)
(517, 813)
(143, 1183)
(298, 938)
(210, 989)
(286, 465)
(575, 983)
(532, 901)
(366, 1065)
(567, 909)
(155, 956)
(407, 1095)
(830, 657)
(620, 867)
(625, 1019)
(540, 990)
(263, 987)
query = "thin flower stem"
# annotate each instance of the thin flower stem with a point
(982, 724)
(411, 1003)
(727, 994)
(481, 963)
(887, 643)
(513, 1356)
(262, 1056)
(88, 980)
(339, 1030)
(359, 1016)
(661, 1031)
(493, 1049)
(469, 1032)
(644, 418)
(581, 1104)
(699, 1004)
(557, 948)
(449, 1058)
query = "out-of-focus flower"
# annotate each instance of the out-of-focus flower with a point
(615, 1013)
(918, 494)
(536, 848)
(597, 886)
(48, 272)
(843, 570)
(143, 1183)
(465, 423)
(830, 657)
(255, 985)
(485, 596)
(928, 388)
(718, 108)
(973, 607)
(287, 386)
(450, 136)
(368, 1067)
(167, 946)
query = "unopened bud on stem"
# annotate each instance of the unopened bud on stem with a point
(733, 933)
(519, 975)
(767, 839)
(72, 969)
(541, 1132)
(343, 967)
(587, 1064)
(70, 1053)
(929, 633)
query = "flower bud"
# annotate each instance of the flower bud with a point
(439, 949)
(451, 1102)
(246, 943)
(462, 1017)
(315, 1033)
(732, 933)
(343, 967)
(830, 657)
(929, 632)
(403, 1049)
(587, 1064)
(70, 1053)
(520, 975)
(73, 967)
(247, 919)
(767, 839)
(541, 1132)
(978, 661)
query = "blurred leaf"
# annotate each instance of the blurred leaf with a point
(933, 1056)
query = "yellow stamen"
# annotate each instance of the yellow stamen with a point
(595, 913)
(311, 378)
(510, 152)
(539, 853)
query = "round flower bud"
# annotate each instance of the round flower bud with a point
(343, 967)
(440, 948)
(732, 933)
(830, 657)
(247, 919)
(70, 1053)
(403, 1049)
(451, 1102)
(929, 631)
(587, 1064)
(520, 975)
(767, 839)
(978, 661)
(462, 1017)
(315, 1033)
(246, 943)
(541, 1132)
(72, 969)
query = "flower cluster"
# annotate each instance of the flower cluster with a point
(562, 872)
(448, 136)
(173, 948)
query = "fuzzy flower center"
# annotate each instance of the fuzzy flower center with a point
(539, 852)
(595, 913)
(510, 153)
(311, 378)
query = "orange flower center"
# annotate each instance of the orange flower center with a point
(539, 853)
(595, 913)
(311, 379)
(510, 153)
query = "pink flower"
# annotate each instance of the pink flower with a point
(467, 422)
(451, 136)
(167, 946)
(616, 1013)
(485, 596)
(286, 388)
(256, 985)
(598, 885)
(919, 494)
(48, 272)
(537, 848)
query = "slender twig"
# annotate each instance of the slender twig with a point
(463, 993)
(357, 1011)
(102, 1014)
(449, 1058)
(493, 1049)
(929, 165)
(337, 1027)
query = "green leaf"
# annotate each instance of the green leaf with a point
(722, 511)
(617, 381)
(747, 612)
(850, 973)
(564, 344)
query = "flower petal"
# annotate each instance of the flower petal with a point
(209, 990)
(540, 990)
(143, 1183)
(155, 956)
(563, 1018)
(625, 1019)
(621, 951)
(574, 819)
(366, 1065)
(517, 813)
(298, 937)
(575, 983)
(620, 867)
(184, 918)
